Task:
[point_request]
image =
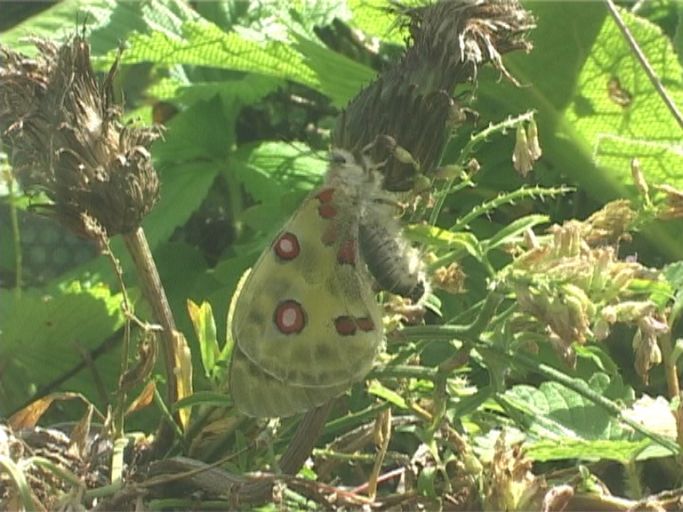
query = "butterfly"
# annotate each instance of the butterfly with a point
(306, 322)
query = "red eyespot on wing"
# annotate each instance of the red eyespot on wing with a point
(347, 252)
(325, 196)
(289, 317)
(365, 324)
(345, 325)
(327, 211)
(287, 246)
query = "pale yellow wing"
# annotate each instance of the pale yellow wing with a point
(306, 323)
(258, 394)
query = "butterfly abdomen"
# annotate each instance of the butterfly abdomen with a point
(391, 261)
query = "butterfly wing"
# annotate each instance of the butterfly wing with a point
(259, 394)
(306, 323)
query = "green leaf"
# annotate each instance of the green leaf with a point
(444, 239)
(645, 128)
(674, 275)
(204, 131)
(183, 188)
(268, 169)
(202, 43)
(678, 36)
(246, 90)
(622, 451)
(45, 334)
(584, 133)
(209, 398)
(107, 22)
(377, 389)
(339, 77)
(510, 232)
(554, 411)
(189, 158)
(205, 329)
(370, 17)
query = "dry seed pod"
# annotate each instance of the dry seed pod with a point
(65, 138)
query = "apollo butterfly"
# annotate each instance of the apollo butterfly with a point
(306, 321)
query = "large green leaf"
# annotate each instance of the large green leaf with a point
(202, 43)
(108, 22)
(277, 176)
(45, 334)
(554, 411)
(585, 133)
(642, 126)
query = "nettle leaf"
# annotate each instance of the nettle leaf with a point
(340, 78)
(45, 334)
(622, 116)
(622, 451)
(268, 169)
(678, 36)
(202, 43)
(246, 89)
(192, 153)
(183, 188)
(656, 414)
(554, 411)
(108, 22)
(274, 17)
(202, 132)
(302, 60)
(596, 108)
(277, 176)
(371, 17)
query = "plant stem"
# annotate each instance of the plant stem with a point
(649, 71)
(670, 366)
(16, 235)
(155, 295)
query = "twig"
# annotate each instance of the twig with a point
(670, 366)
(153, 291)
(298, 451)
(656, 82)
(16, 235)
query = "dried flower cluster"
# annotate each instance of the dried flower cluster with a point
(509, 482)
(64, 137)
(527, 148)
(573, 288)
(673, 207)
(413, 101)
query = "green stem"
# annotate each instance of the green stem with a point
(16, 235)
(507, 198)
(469, 150)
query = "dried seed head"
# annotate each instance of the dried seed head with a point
(534, 145)
(645, 346)
(674, 202)
(610, 224)
(509, 482)
(527, 148)
(521, 156)
(64, 136)
(450, 278)
(639, 179)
